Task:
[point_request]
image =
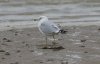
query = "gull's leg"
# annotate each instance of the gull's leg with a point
(53, 38)
(62, 38)
(54, 41)
(46, 40)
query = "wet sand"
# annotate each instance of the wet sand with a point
(24, 46)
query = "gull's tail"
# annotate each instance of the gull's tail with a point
(62, 31)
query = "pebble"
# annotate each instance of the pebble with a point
(31, 50)
(3, 58)
(51, 59)
(23, 42)
(41, 62)
(4, 39)
(7, 53)
(18, 51)
(15, 63)
(7, 40)
(64, 62)
(85, 52)
(16, 34)
(98, 28)
(82, 46)
(83, 40)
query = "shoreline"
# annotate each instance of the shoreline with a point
(21, 25)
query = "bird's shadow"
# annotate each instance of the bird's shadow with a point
(51, 47)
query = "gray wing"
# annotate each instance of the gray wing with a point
(49, 27)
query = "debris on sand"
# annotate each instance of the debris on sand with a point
(6, 40)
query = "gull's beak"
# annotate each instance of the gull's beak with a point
(36, 19)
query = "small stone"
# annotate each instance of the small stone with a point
(23, 42)
(8, 41)
(98, 28)
(31, 50)
(18, 51)
(51, 59)
(8, 26)
(2, 51)
(15, 63)
(64, 62)
(83, 40)
(41, 62)
(85, 52)
(5, 44)
(28, 34)
(27, 45)
(16, 34)
(82, 46)
(3, 58)
(7, 53)
(45, 48)
(4, 39)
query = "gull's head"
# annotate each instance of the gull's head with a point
(41, 18)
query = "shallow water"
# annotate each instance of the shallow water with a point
(62, 12)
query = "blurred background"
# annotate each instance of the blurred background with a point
(61, 11)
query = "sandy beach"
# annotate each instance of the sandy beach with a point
(22, 43)
(24, 46)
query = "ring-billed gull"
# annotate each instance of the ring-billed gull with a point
(48, 28)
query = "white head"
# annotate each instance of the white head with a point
(41, 18)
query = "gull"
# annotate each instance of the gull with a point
(48, 28)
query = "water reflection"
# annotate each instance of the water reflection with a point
(18, 11)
